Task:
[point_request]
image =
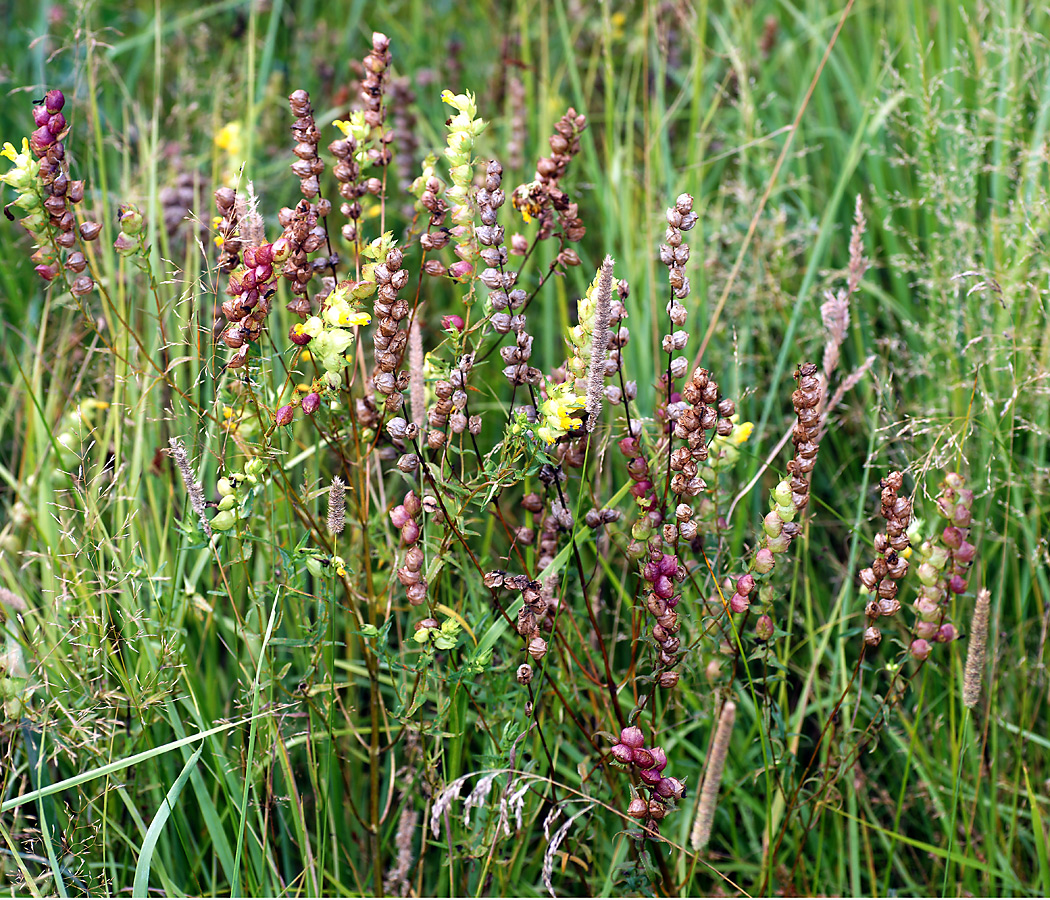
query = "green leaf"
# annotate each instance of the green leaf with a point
(141, 884)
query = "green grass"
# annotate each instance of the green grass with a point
(206, 720)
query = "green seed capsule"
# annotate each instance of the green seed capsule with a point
(224, 521)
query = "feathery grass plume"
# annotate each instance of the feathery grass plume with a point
(193, 488)
(337, 506)
(12, 600)
(858, 263)
(599, 342)
(252, 227)
(554, 842)
(396, 882)
(705, 814)
(416, 384)
(974, 671)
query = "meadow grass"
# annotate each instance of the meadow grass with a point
(227, 716)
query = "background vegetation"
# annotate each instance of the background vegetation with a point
(204, 724)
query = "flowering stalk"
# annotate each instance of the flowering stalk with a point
(463, 130)
(943, 565)
(891, 564)
(47, 196)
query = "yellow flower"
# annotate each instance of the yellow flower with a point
(343, 125)
(741, 433)
(556, 413)
(12, 154)
(341, 314)
(230, 138)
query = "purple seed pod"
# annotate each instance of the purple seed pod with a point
(668, 565)
(637, 808)
(764, 561)
(738, 603)
(926, 630)
(460, 269)
(452, 323)
(311, 402)
(650, 777)
(56, 124)
(670, 787)
(622, 753)
(947, 633)
(54, 100)
(957, 584)
(965, 553)
(920, 649)
(663, 587)
(399, 516)
(299, 338)
(40, 116)
(745, 584)
(285, 415)
(642, 757)
(410, 532)
(659, 758)
(632, 737)
(412, 503)
(764, 627)
(952, 536)
(40, 140)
